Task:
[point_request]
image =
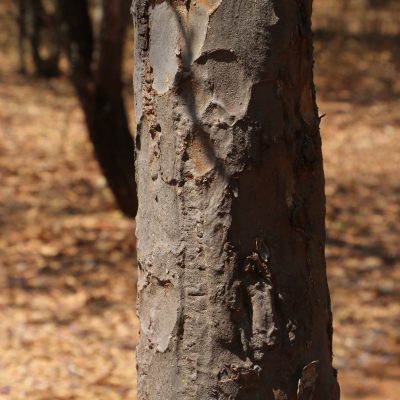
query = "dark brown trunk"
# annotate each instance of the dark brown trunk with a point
(99, 89)
(232, 295)
(114, 148)
(21, 18)
(44, 32)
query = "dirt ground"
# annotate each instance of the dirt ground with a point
(68, 328)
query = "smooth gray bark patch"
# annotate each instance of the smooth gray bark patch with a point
(232, 296)
(160, 317)
(163, 46)
(221, 67)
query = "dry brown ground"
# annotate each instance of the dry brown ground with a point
(68, 328)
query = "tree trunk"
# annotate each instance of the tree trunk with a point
(44, 34)
(99, 88)
(232, 294)
(21, 19)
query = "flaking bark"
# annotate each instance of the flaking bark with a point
(232, 294)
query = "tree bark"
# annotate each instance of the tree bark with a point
(99, 88)
(233, 298)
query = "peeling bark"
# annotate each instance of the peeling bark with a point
(232, 294)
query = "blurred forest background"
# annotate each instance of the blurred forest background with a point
(68, 328)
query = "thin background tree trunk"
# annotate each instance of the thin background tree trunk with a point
(98, 82)
(232, 295)
(44, 32)
(22, 34)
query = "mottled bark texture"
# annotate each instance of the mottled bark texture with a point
(97, 77)
(232, 294)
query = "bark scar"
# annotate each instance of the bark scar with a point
(306, 384)
(254, 298)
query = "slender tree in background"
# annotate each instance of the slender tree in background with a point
(97, 77)
(232, 294)
(41, 27)
(21, 18)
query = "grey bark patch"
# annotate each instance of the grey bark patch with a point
(164, 45)
(137, 77)
(219, 67)
(159, 314)
(194, 32)
(193, 23)
(236, 24)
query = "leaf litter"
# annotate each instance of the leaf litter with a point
(67, 278)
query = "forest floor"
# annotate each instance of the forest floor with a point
(68, 328)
